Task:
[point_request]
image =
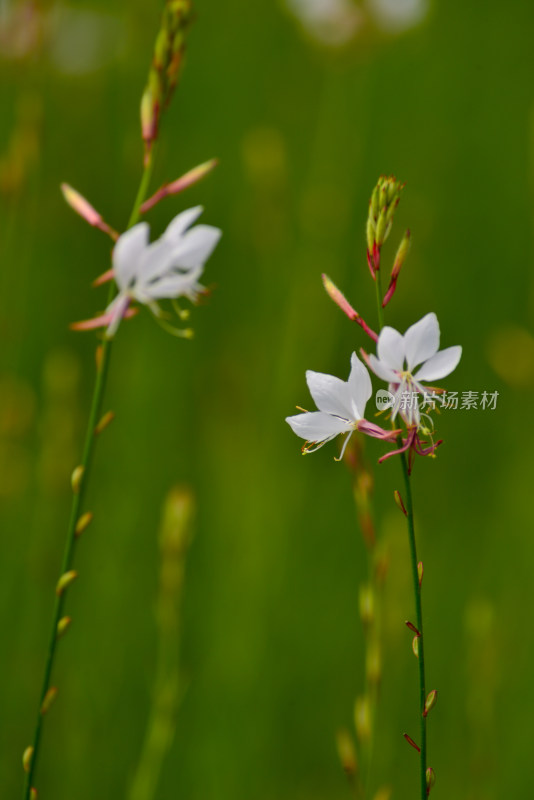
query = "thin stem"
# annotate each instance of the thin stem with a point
(77, 503)
(380, 310)
(415, 578)
(419, 621)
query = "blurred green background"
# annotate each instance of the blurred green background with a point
(272, 646)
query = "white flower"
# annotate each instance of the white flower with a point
(167, 268)
(399, 355)
(330, 22)
(341, 407)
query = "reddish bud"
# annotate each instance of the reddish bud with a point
(399, 502)
(430, 701)
(49, 698)
(420, 571)
(411, 742)
(412, 627)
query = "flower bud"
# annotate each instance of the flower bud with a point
(430, 701)
(415, 645)
(411, 742)
(80, 205)
(362, 718)
(347, 752)
(33, 793)
(63, 625)
(381, 225)
(367, 604)
(66, 579)
(430, 779)
(108, 417)
(83, 523)
(76, 479)
(384, 793)
(412, 627)
(399, 502)
(27, 759)
(373, 663)
(420, 571)
(49, 698)
(370, 231)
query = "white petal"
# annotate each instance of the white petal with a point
(316, 426)
(127, 253)
(390, 348)
(156, 261)
(383, 371)
(173, 286)
(181, 223)
(329, 393)
(360, 388)
(117, 308)
(196, 246)
(421, 340)
(440, 365)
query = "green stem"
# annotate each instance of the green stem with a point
(77, 502)
(419, 622)
(415, 578)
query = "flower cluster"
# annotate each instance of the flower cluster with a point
(342, 404)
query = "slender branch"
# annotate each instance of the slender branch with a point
(419, 622)
(416, 581)
(379, 309)
(79, 490)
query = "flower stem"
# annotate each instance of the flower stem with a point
(419, 622)
(380, 310)
(79, 491)
(416, 583)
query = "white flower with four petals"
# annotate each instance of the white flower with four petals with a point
(341, 407)
(170, 267)
(398, 357)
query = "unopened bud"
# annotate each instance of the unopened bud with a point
(339, 298)
(347, 752)
(402, 252)
(83, 523)
(412, 627)
(430, 701)
(108, 417)
(367, 604)
(373, 663)
(27, 759)
(384, 793)
(383, 193)
(370, 231)
(76, 479)
(63, 625)
(66, 579)
(420, 572)
(374, 207)
(86, 211)
(80, 205)
(49, 698)
(149, 116)
(189, 179)
(399, 502)
(362, 718)
(381, 225)
(430, 778)
(411, 742)
(415, 645)
(33, 793)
